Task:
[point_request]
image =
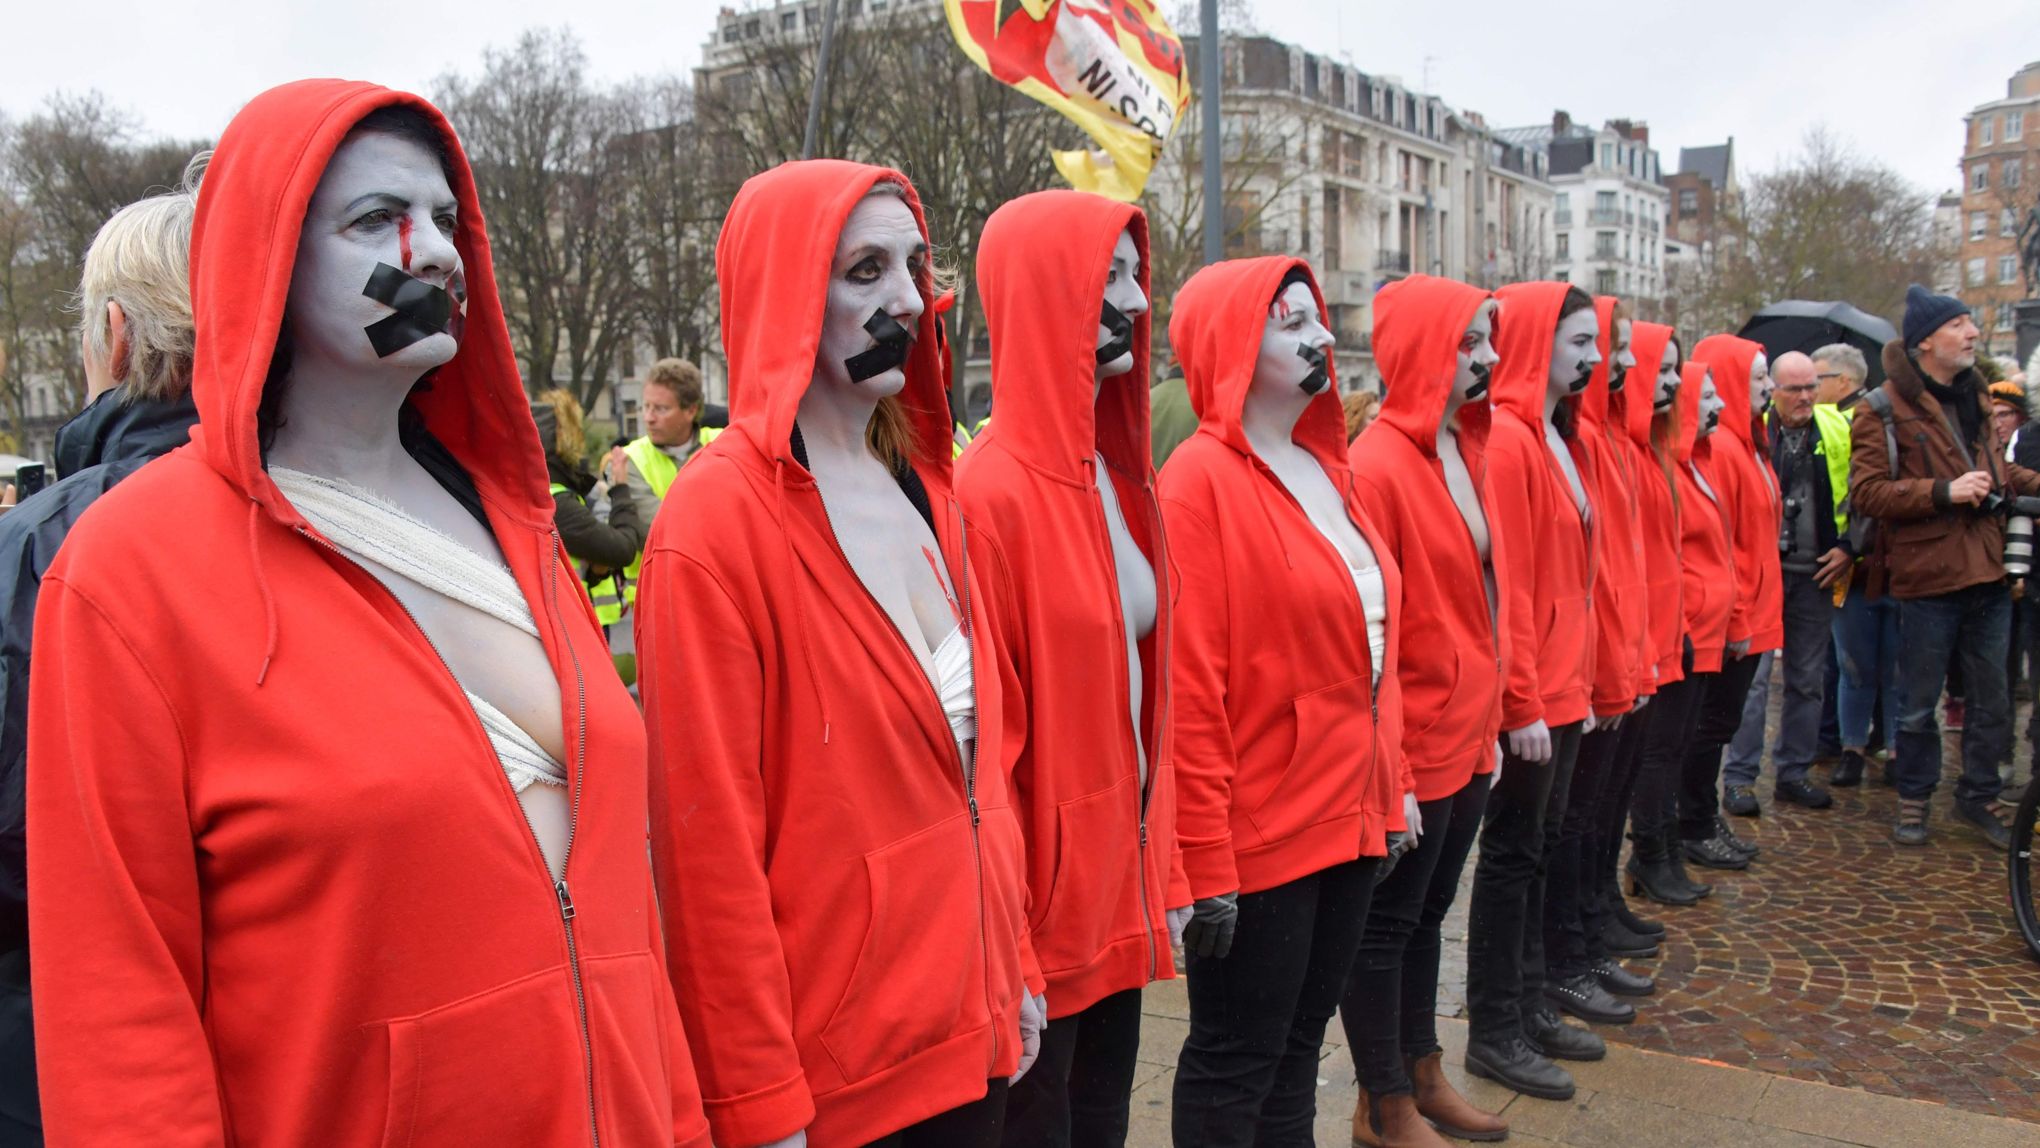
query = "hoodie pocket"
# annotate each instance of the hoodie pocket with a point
(627, 1022)
(921, 961)
(1096, 838)
(1442, 701)
(501, 1067)
(1322, 778)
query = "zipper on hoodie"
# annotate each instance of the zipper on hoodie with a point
(562, 896)
(966, 766)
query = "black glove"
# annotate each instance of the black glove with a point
(1212, 921)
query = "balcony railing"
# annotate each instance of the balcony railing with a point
(1392, 261)
(1562, 218)
(1607, 216)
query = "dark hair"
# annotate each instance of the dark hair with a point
(1296, 275)
(404, 123)
(1576, 301)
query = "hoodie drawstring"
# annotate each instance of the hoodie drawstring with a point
(800, 593)
(262, 585)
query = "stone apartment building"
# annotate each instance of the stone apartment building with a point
(2000, 192)
(1702, 193)
(1611, 205)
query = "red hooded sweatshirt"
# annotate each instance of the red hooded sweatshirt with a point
(843, 893)
(1100, 840)
(285, 895)
(1288, 756)
(1600, 449)
(1547, 614)
(1707, 566)
(1657, 516)
(1743, 478)
(1448, 663)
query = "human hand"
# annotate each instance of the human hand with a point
(1532, 743)
(1212, 921)
(1590, 723)
(1033, 1018)
(1833, 565)
(1178, 919)
(1642, 700)
(1738, 648)
(1970, 488)
(617, 467)
(1413, 815)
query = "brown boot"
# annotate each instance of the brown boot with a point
(1442, 1105)
(1392, 1122)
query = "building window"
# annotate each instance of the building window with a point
(1989, 130)
(1565, 247)
(1604, 281)
(2004, 316)
(2012, 172)
(1976, 225)
(1564, 277)
(1979, 177)
(1604, 245)
(1607, 155)
(1976, 272)
(2008, 268)
(2008, 223)
(2015, 125)
(1564, 203)
(1689, 200)
(788, 21)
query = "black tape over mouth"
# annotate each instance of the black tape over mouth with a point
(421, 310)
(1665, 404)
(1580, 384)
(894, 340)
(1319, 378)
(1483, 377)
(1120, 326)
(1616, 377)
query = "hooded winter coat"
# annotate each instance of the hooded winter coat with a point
(1741, 474)
(843, 891)
(1657, 516)
(1101, 841)
(1707, 582)
(1288, 754)
(1449, 666)
(289, 897)
(1547, 612)
(107, 441)
(1599, 448)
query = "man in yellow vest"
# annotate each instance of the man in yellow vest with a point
(670, 410)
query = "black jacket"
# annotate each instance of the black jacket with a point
(105, 443)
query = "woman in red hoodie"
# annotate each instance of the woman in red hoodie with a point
(1417, 471)
(1538, 503)
(1072, 564)
(1752, 511)
(361, 858)
(1681, 433)
(1287, 715)
(841, 876)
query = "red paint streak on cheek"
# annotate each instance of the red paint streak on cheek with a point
(404, 240)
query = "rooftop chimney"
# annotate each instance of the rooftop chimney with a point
(1561, 123)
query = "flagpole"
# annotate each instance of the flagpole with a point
(814, 107)
(1208, 79)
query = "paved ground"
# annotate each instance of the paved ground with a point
(1842, 991)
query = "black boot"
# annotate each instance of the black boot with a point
(1642, 926)
(1651, 874)
(1714, 853)
(1677, 857)
(1584, 997)
(1550, 1036)
(1512, 1064)
(1848, 772)
(1726, 836)
(1620, 942)
(1621, 981)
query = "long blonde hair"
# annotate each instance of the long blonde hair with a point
(569, 435)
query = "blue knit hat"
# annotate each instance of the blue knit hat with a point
(1925, 313)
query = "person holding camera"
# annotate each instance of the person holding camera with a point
(1928, 465)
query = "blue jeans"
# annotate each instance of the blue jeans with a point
(1972, 625)
(1809, 638)
(1866, 645)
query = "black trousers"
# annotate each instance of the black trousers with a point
(1247, 1075)
(1609, 820)
(973, 1125)
(1504, 935)
(1575, 905)
(1077, 1093)
(1654, 811)
(1390, 1008)
(1720, 715)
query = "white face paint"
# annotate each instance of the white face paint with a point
(382, 200)
(1710, 407)
(1573, 354)
(880, 259)
(1476, 359)
(1620, 357)
(1122, 290)
(1293, 322)
(1760, 384)
(1667, 377)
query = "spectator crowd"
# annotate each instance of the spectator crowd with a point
(341, 681)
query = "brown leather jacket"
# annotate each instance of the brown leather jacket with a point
(1930, 545)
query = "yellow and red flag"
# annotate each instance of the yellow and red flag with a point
(1113, 67)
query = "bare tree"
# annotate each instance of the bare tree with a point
(673, 218)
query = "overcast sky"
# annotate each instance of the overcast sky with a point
(1890, 77)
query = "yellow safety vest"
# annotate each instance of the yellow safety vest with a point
(608, 608)
(659, 470)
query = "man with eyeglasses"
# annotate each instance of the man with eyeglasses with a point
(1865, 684)
(1810, 453)
(1838, 373)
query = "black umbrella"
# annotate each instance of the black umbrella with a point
(1800, 325)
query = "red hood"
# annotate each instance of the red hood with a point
(1729, 357)
(1691, 375)
(243, 247)
(1647, 342)
(1041, 267)
(1215, 329)
(1593, 402)
(1524, 332)
(1418, 322)
(772, 261)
